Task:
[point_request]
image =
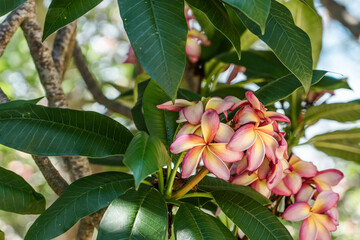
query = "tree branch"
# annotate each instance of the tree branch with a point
(93, 87)
(339, 13)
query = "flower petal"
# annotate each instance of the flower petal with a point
(304, 169)
(179, 104)
(243, 138)
(245, 178)
(187, 129)
(254, 101)
(215, 165)
(276, 116)
(324, 201)
(210, 122)
(245, 115)
(297, 212)
(267, 128)
(181, 118)
(261, 187)
(186, 142)
(305, 193)
(218, 104)
(326, 221)
(331, 176)
(193, 113)
(220, 150)
(270, 145)
(255, 154)
(281, 189)
(264, 169)
(224, 133)
(333, 213)
(293, 181)
(191, 160)
(242, 165)
(308, 229)
(322, 232)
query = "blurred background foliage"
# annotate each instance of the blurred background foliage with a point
(105, 45)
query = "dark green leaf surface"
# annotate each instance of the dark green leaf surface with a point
(47, 131)
(256, 10)
(188, 95)
(144, 156)
(283, 87)
(215, 184)
(255, 220)
(17, 196)
(9, 5)
(331, 83)
(137, 110)
(216, 13)
(192, 223)
(140, 215)
(157, 31)
(63, 12)
(290, 44)
(108, 161)
(160, 123)
(2, 235)
(80, 199)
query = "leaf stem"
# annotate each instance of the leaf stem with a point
(189, 185)
(197, 194)
(170, 183)
(161, 181)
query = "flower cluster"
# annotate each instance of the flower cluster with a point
(250, 149)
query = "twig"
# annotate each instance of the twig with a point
(93, 87)
(9, 26)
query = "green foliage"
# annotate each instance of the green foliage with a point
(2, 235)
(328, 83)
(60, 132)
(9, 5)
(18, 196)
(192, 223)
(80, 199)
(138, 214)
(137, 110)
(108, 161)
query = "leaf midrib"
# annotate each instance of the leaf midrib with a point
(339, 108)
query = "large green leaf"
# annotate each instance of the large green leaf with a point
(255, 220)
(108, 161)
(256, 10)
(80, 199)
(284, 87)
(137, 110)
(215, 184)
(9, 5)
(307, 19)
(341, 112)
(331, 83)
(344, 144)
(17, 196)
(145, 155)
(192, 223)
(290, 44)
(138, 215)
(160, 123)
(60, 132)
(216, 13)
(157, 31)
(63, 12)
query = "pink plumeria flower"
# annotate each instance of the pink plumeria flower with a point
(325, 179)
(317, 223)
(214, 155)
(193, 44)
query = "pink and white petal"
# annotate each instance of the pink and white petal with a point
(254, 101)
(220, 150)
(224, 134)
(326, 221)
(333, 213)
(293, 181)
(181, 118)
(308, 229)
(297, 212)
(270, 146)
(246, 115)
(215, 165)
(331, 176)
(305, 193)
(243, 138)
(193, 113)
(281, 189)
(276, 116)
(239, 104)
(242, 165)
(305, 169)
(322, 232)
(187, 129)
(179, 104)
(255, 154)
(245, 178)
(191, 160)
(266, 128)
(218, 104)
(261, 187)
(264, 169)
(325, 201)
(232, 99)
(186, 142)
(276, 176)
(210, 122)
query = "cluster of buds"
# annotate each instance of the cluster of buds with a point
(250, 149)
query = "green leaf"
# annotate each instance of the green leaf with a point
(215, 184)
(283, 87)
(145, 155)
(307, 19)
(255, 220)
(344, 144)
(188, 95)
(217, 15)
(63, 12)
(192, 223)
(47, 131)
(157, 31)
(17, 196)
(80, 199)
(137, 110)
(289, 43)
(341, 112)
(160, 123)
(256, 10)
(2, 235)
(329, 83)
(108, 161)
(138, 215)
(9, 5)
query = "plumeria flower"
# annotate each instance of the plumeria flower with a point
(193, 44)
(325, 179)
(214, 155)
(317, 223)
